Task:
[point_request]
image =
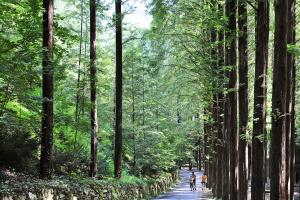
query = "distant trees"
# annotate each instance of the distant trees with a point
(47, 90)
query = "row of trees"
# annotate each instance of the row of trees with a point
(159, 99)
(232, 160)
(48, 81)
(249, 132)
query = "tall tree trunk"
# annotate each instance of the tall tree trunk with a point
(205, 143)
(225, 154)
(84, 70)
(93, 81)
(47, 110)
(260, 97)
(119, 83)
(232, 97)
(143, 105)
(214, 113)
(278, 134)
(219, 168)
(292, 146)
(243, 98)
(133, 117)
(289, 103)
(209, 148)
(77, 111)
(214, 144)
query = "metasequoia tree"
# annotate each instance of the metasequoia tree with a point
(290, 103)
(278, 163)
(231, 58)
(47, 90)
(78, 98)
(118, 107)
(93, 81)
(260, 98)
(243, 98)
(220, 121)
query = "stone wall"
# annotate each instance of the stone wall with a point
(72, 190)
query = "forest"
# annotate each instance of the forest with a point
(93, 106)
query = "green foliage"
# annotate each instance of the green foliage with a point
(18, 150)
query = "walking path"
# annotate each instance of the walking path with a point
(182, 190)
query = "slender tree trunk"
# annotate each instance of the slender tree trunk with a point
(221, 119)
(292, 146)
(47, 90)
(157, 109)
(214, 112)
(93, 82)
(232, 97)
(84, 70)
(133, 117)
(200, 158)
(290, 99)
(214, 144)
(143, 106)
(219, 148)
(225, 154)
(278, 134)
(119, 84)
(77, 111)
(260, 97)
(205, 143)
(243, 98)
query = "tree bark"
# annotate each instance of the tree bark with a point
(119, 83)
(243, 98)
(213, 146)
(278, 134)
(232, 97)
(220, 122)
(47, 90)
(93, 81)
(290, 119)
(225, 157)
(292, 146)
(214, 113)
(260, 97)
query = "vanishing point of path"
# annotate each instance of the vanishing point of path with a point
(182, 190)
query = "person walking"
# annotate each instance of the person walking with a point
(193, 181)
(204, 181)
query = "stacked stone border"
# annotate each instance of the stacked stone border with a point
(86, 190)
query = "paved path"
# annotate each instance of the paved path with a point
(182, 190)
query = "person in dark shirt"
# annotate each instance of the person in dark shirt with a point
(193, 181)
